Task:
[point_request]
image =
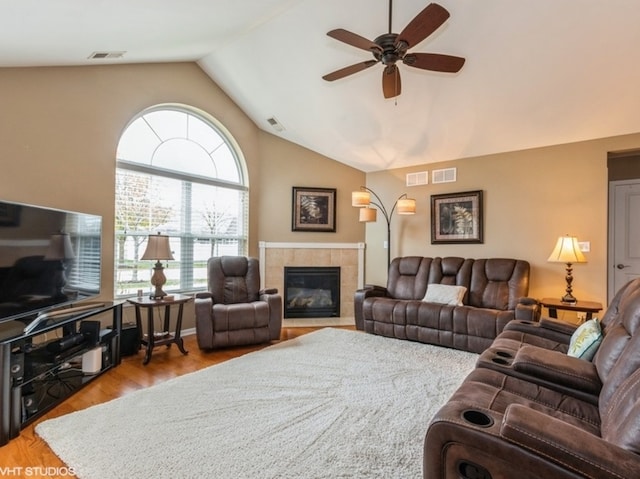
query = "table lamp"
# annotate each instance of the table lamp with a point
(158, 249)
(567, 251)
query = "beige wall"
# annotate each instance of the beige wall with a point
(59, 129)
(530, 198)
(286, 165)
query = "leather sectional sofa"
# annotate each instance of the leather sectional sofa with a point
(495, 292)
(529, 410)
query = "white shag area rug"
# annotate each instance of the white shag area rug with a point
(330, 404)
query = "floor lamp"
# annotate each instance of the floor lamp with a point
(362, 199)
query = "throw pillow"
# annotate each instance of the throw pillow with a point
(444, 294)
(585, 340)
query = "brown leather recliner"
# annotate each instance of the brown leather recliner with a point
(545, 414)
(235, 311)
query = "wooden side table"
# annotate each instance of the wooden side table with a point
(587, 307)
(164, 337)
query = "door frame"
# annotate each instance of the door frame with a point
(610, 233)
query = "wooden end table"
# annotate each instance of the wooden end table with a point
(587, 307)
(164, 337)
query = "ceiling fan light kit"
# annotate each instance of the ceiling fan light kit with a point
(390, 48)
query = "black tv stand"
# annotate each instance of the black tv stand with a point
(42, 367)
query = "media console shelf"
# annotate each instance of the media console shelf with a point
(54, 359)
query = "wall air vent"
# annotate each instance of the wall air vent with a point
(275, 124)
(105, 55)
(417, 179)
(445, 175)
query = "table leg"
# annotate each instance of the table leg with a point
(150, 337)
(167, 317)
(177, 337)
(139, 326)
(553, 313)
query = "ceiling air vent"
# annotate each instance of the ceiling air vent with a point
(103, 55)
(446, 175)
(275, 124)
(417, 179)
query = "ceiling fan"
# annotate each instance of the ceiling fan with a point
(389, 48)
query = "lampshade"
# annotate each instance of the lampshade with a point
(406, 206)
(368, 215)
(60, 247)
(157, 248)
(567, 250)
(360, 199)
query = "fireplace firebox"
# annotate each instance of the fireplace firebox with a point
(311, 291)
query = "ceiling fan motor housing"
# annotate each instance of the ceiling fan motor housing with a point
(391, 50)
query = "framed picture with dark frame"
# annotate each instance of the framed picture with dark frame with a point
(457, 217)
(314, 209)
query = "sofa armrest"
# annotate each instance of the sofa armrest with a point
(360, 295)
(528, 309)
(559, 326)
(555, 330)
(274, 300)
(204, 295)
(566, 445)
(558, 368)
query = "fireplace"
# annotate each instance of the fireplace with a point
(311, 291)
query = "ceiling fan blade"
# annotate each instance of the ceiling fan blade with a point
(423, 25)
(434, 62)
(391, 85)
(353, 39)
(343, 72)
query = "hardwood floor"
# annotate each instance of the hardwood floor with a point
(28, 452)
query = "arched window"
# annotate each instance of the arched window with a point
(180, 174)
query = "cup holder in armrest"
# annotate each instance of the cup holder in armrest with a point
(501, 361)
(504, 354)
(477, 418)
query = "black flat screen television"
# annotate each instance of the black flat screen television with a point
(48, 258)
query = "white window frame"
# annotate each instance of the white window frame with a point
(189, 243)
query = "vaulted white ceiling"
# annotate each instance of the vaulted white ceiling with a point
(537, 72)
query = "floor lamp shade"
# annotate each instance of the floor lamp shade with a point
(406, 206)
(360, 198)
(158, 248)
(567, 250)
(367, 215)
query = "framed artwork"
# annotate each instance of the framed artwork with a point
(457, 217)
(314, 209)
(9, 214)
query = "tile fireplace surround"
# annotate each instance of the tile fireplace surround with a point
(348, 256)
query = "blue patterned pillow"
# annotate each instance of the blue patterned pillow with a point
(585, 340)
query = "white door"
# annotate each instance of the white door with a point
(624, 233)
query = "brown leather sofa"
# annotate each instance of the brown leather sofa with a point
(235, 311)
(530, 411)
(496, 290)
